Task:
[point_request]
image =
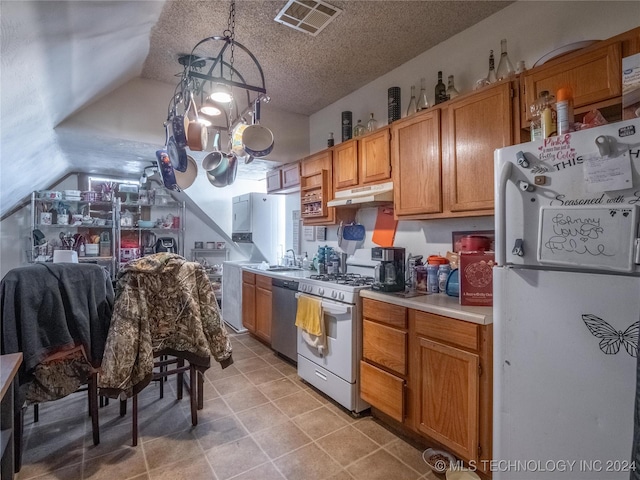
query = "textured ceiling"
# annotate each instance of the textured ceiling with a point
(303, 73)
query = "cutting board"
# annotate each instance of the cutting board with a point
(385, 229)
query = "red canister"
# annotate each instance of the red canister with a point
(475, 243)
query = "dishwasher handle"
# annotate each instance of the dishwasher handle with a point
(288, 284)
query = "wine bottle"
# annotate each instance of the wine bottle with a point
(423, 102)
(330, 140)
(413, 105)
(451, 89)
(491, 76)
(441, 90)
(505, 67)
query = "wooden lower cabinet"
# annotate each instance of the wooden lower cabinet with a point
(256, 305)
(263, 307)
(433, 375)
(383, 390)
(249, 301)
(448, 401)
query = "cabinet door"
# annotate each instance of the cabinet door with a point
(315, 163)
(382, 390)
(593, 77)
(478, 124)
(374, 157)
(448, 396)
(249, 306)
(291, 175)
(417, 166)
(345, 165)
(263, 313)
(274, 180)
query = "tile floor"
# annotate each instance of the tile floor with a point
(260, 422)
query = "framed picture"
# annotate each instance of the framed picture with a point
(485, 238)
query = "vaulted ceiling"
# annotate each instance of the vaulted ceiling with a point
(61, 58)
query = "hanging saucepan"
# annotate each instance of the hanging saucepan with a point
(178, 123)
(166, 170)
(219, 182)
(177, 155)
(257, 140)
(197, 135)
(233, 169)
(216, 163)
(186, 179)
(236, 139)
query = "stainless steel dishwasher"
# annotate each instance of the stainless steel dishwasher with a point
(283, 319)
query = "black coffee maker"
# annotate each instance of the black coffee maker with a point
(389, 274)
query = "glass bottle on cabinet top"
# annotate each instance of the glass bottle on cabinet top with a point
(423, 102)
(452, 92)
(491, 75)
(440, 90)
(359, 129)
(413, 104)
(505, 67)
(372, 124)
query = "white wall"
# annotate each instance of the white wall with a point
(532, 29)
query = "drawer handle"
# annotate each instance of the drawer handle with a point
(323, 377)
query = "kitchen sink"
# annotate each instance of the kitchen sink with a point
(278, 268)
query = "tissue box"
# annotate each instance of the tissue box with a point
(476, 278)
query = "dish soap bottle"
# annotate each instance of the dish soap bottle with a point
(305, 262)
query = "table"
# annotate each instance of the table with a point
(9, 365)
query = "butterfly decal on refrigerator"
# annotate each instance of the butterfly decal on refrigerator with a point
(611, 339)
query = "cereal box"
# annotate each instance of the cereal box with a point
(476, 278)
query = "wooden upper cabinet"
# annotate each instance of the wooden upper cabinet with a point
(315, 179)
(314, 164)
(345, 164)
(593, 76)
(477, 125)
(417, 166)
(374, 158)
(291, 175)
(274, 180)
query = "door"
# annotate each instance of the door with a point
(417, 166)
(374, 157)
(249, 306)
(340, 327)
(241, 214)
(448, 396)
(564, 379)
(478, 124)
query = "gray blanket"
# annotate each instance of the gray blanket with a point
(47, 307)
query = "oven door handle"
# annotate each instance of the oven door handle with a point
(332, 308)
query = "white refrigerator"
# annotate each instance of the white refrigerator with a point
(567, 305)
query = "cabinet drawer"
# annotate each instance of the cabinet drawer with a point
(382, 390)
(383, 312)
(456, 332)
(249, 277)
(385, 346)
(262, 281)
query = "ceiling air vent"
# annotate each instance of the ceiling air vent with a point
(308, 16)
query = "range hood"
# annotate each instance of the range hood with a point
(363, 196)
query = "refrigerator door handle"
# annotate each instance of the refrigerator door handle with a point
(501, 214)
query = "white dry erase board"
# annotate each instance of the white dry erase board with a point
(593, 237)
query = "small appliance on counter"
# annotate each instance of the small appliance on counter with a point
(166, 244)
(389, 274)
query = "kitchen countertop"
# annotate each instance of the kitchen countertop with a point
(438, 303)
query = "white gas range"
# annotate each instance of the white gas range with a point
(336, 372)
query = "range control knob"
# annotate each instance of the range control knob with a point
(321, 291)
(303, 287)
(341, 296)
(334, 294)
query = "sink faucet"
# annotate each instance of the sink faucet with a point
(293, 256)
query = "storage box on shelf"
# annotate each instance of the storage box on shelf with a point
(146, 218)
(211, 259)
(87, 226)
